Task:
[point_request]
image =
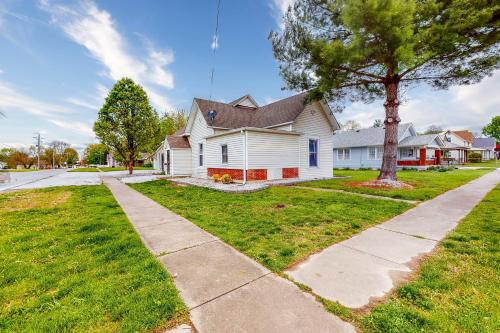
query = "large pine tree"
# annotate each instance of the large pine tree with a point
(362, 50)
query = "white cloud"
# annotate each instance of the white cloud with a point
(11, 99)
(215, 42)
(462, 107)
(77, 126)
(1, 71)
(95, 29)
(79, 102)
(279, 8)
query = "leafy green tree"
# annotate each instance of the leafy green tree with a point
(127, 123)
(69, 156)
(363, 50)
(378, 123)
(4, 154)
(493, 128)
(171, 122)
(95, 154)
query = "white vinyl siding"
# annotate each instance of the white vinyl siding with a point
(213, 150)
(181, 162)
(344, 154)
(313, 123)
(198, 132)
(375, 153)
(272, 152)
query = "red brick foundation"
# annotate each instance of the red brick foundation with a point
(257, 174)
(237, 174)
(290, 173)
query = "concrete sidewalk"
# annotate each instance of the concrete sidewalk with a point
(225, 290)
(367, 266)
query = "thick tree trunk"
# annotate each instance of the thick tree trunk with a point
(389, 161)
(130, 167)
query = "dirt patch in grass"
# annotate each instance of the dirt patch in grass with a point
(382, 184)
(34, 200)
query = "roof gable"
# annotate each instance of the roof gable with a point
(246, 101)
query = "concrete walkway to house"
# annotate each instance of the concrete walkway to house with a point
(367, 266)
(225, 290)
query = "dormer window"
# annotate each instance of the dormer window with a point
(245, 101)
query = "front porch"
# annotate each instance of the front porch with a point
(415, 156)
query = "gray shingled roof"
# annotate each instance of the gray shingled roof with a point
(487, 143)
(229, 116)
(418, 140)
(365, 137)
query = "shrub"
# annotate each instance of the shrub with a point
(216, 178)
(226, 179)
(475, 157)
(148, 165)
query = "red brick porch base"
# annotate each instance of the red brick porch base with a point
(290, 173)
(237, 174)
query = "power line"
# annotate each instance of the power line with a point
(215, 45)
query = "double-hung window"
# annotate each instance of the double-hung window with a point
(313, 152)
(200, 154)
(344, 154)
(375, 153)
(224, 154)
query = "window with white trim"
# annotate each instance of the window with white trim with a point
(200, 154)
(375, 153)
(407, 152)
(224, 153)
(313, 152)
(344, 154)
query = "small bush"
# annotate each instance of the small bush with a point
(216, 178)
(409, 169)
(475, 158)
(226, 179)
(148, 165)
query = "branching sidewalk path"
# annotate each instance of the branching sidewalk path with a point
(370, 196)
(225, 290)
(366, 267)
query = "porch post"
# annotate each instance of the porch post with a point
(438, 156)
(423, 156)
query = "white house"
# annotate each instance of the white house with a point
(284, 139)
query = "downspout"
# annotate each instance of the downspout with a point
(245, 156)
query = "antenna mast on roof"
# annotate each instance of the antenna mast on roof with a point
(215, 45)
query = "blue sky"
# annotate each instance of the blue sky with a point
(58, 59)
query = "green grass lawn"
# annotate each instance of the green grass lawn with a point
(84, 170)
(427, 184)
(457, 288)
(277, 226)
(487, 164)
(71, 262)
(107, 169)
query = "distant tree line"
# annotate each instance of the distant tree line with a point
(56, 155)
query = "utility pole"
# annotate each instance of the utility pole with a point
(38, 144)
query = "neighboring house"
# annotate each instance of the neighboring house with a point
(284, 139)
(457, 145)
(363, 148)
(485, 146)
(144, 158)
